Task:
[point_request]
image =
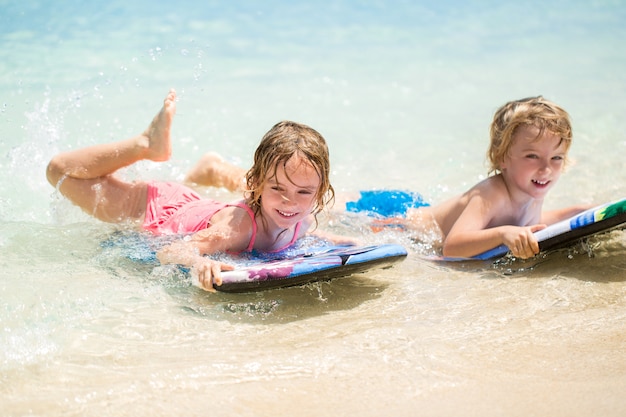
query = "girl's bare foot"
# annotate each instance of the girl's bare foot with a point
(158, 133)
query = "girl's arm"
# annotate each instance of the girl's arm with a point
(219, 237)
(189, 253)
(336, 239)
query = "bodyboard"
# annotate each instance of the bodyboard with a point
(597, 220)
(323, 264)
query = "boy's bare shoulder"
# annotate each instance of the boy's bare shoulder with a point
(491, 188)
(490, 196)
(494, 183)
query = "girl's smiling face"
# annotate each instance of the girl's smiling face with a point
(289, 196)
(534, 162)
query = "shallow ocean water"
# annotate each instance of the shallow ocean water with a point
(404, 94)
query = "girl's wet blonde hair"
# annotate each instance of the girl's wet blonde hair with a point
(534, 111)
(283, 141)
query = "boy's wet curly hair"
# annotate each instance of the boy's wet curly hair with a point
(535, 111)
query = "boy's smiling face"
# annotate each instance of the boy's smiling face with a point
(534, 162)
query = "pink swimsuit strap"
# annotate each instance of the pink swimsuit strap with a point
(254, 226)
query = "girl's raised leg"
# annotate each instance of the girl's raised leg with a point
(85, 176)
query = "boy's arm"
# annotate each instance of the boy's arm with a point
(471, 235)
(520, 241)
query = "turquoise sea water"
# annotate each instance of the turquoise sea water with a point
(404, 93)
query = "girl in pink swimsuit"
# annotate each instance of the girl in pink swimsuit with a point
(287, 186)
(173, 208)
